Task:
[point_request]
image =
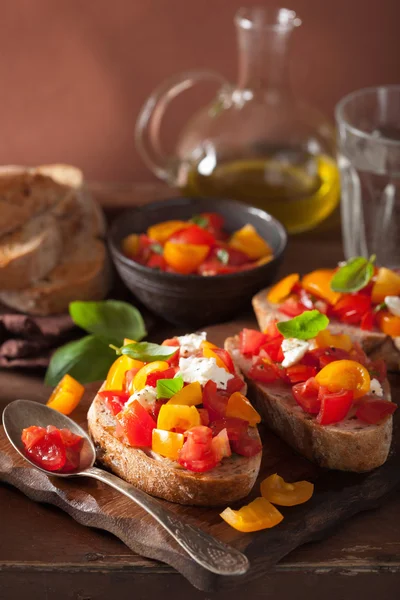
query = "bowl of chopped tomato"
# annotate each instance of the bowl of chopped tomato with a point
(196, 261)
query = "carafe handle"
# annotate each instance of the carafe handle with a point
(148, 124)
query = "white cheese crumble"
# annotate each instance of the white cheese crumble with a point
(293, 351)
(375, 388)
(146, 396)
(191, 342)
(201, 369)
(393, 305)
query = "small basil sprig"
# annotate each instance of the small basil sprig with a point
(354, 275)
(166, 388)
(223, 256)
(305, 326)
(145, 351)
(200, 221)
(156, 248)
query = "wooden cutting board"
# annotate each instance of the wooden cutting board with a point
(337, 497)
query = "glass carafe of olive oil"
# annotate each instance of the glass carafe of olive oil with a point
(255, 142)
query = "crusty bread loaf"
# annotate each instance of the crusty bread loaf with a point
(375, 343)
(350, 445)
(161, 477)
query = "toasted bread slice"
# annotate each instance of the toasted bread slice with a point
(230, 481)
(375, 343)
(350, 445)
(29, 253)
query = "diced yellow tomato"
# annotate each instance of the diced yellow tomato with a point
(387, 283)
(326, 339)
(282, 289)
(209, 353)
(66, 396)
(116, 374)
(167, 443)
(185, 258)
(275, 489)
(163, 231)
(130, 244)
(264, 260)
(207, 344)
(139, 381)
(319, 283)
(247, 240)
(389, 324)
(238, 406)
(347, 375)
(190, 395)
(178, 416)
(259, 514)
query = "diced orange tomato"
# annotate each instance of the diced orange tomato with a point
(238, 406)
(167, 443)
(264, 260)
(220, 445)
(66, 396)
(185, 258)
(209, 353)
(116, 374)
(163, 231)
(275, 489)
(130, 244)
(319, 283)
(282, 289)
(190, 395)
(248, 241)
(178, 416)
(389, 324)
(259, 514)
(207, 344)
(139, 380)
(345, 375)
(326, 339)
(387, 283)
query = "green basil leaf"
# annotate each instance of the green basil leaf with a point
(110, 320)
(305, 326)
(223, 256)
(157, 248)
(354, 275)
(148, 352)
(166, 388)
(87, 360)
(200, 221)
(381, 306)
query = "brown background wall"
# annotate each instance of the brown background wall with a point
(74, 73)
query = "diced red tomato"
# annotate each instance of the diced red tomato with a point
(306, 396)
(48, 450)
(350, 308)
(373, 411)
(71, 440)
(129, 377)
(171, 342)
(236, 428)
(137, 425)
(143, 251)
(272, 330)
(246, 446)
(152, 378)
(197, 453)
(377, 369)
(114, 400)
(264, 372)
(334, 405)
(32, 435)
(215, 267)
(273, 350)
(156, 408)
(292, 307)
(234, 385)
(250, 341)
(204, 416)
(214, 401)
(226, 358)
(367, 321)
(298, 373)
(306, 299)
(193, 235)
(358, 354)
(221, 446)
(156, 261)
(320, 357)
(237, 258)
(214, 220)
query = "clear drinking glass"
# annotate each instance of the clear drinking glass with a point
(369, 162)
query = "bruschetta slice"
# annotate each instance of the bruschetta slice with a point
(176, 424)
(331, 405)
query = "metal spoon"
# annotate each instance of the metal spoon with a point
(207, 551)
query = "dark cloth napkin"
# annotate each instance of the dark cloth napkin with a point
(27, 341)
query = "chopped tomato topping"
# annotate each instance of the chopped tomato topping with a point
(373, 411)
(236, 428)
(307, 396)
(221, 446)
(351, 308)
(246, 446)
(115, 400)
(193, 235)
(226, 359)
(250, 341)
(197, 453)
(298, 373)
(153, 377)
(215, 402)
(137, 425)
(273, 349)
(236, 384)
(367, 321)
(334, 405)
(292, 307)
(264, 372)
(46, 448)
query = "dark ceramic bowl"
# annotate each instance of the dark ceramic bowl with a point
(195, 300)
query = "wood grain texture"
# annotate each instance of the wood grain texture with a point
(338, 496)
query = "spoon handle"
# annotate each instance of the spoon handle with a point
(206, 550)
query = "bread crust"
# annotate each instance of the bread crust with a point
(375, 343)
(346, 446)
(161, 477)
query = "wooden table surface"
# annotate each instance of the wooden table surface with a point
(44, 554)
